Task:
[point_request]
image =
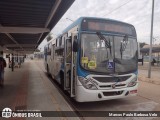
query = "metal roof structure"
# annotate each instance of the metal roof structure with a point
(155, 49)
(25, 23)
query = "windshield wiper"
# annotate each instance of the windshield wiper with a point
(107, 42)
(123, 45)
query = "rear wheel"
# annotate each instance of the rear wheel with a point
(1, 82)
(48, 71)
(62, 79)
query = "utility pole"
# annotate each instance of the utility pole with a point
(151, 37)
(154, 39)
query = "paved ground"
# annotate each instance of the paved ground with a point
(148, 99)
(29, 87)
(13, 82)
(155, 74)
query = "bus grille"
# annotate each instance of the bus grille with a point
(111, 79)
(110, 86)
(112, 93)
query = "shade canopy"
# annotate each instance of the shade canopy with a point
(25, 23)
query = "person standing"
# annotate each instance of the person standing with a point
(2, 66)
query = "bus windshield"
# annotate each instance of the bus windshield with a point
(96, 52)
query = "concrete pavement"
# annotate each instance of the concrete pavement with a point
(28, 88)
(155, 74)
(148, 99)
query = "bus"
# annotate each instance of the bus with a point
(94, 59)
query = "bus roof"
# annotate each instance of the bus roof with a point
(78, 21)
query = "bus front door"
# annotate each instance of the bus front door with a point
(67, 64)
(69, 68)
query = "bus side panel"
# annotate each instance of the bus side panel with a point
(45, 57)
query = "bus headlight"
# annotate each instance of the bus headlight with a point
(133, 82)
(87, 83)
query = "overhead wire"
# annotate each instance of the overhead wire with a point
(118, 7)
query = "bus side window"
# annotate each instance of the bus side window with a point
(63, 40)
(49, 50)
(60, 41)
(59, 53)
(53, 50)
(45, 53)
(57, 42)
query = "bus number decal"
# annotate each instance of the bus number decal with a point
(92, 65)
(84, 60)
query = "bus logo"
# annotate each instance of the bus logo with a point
(113, 86)
(6, 113)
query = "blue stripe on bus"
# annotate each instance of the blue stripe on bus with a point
(81, 72)
(136, 72)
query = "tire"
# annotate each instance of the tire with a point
(1, 82)
(48, 71)
(62, 79)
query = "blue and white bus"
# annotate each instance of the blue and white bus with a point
(95, 59)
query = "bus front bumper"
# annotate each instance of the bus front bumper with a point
(86, 95)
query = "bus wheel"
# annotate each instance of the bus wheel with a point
(62, 79)
(47, 70)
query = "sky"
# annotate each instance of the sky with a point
(135, 12)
